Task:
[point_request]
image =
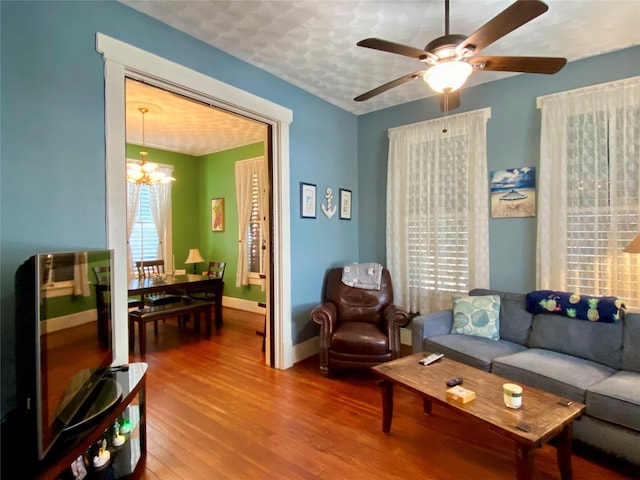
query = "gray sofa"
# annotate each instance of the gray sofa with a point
(597, 364)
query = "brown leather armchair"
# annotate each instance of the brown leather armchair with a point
(359, 328)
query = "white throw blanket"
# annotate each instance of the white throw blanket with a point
(362, 275)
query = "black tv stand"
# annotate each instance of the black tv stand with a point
(106, 396)
(81, 442)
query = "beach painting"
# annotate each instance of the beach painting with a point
(513, 193)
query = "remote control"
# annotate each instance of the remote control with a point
(428, 360)
(453, 382)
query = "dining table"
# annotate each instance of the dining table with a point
(183, 284)
(176, 284)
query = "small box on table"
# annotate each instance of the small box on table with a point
(460, 394)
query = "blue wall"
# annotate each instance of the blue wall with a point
(53, 150)
(513, 140)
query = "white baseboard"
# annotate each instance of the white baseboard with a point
(306, 349)
(242, 304)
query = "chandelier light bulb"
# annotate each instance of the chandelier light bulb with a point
(448, 76)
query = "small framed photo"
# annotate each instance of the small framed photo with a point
(307, 200)
(345, 204)
(217, 214)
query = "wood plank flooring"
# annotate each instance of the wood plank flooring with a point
(215, 411)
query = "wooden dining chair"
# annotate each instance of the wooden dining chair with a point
(102, 275)
(215, 270)
(149, 268)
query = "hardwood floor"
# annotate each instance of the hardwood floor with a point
(215, 411)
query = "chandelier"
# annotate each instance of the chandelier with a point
(146, 173)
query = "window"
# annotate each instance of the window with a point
(144, 241)
(437, 210)
(590, 191)
(149, 222)
(253, 201)
(254, 235)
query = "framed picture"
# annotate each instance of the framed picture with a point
(307, 200)
(345, 204)
(217, 214)
(513, 192)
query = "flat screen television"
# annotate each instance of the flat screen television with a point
(64, 346)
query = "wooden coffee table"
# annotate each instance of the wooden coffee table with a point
(541, 413)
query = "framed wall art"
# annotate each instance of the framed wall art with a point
(307, 200)
(217, 214)
(345, 204)
(513, 193)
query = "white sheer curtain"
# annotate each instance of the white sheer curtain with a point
(133, 203)
(245, 170)
(589, 190)
(160, 196)
(438, 210)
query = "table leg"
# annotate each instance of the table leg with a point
(426, 406)
(207, 321)
(524, 462)
(387, 404)
(142, 336)
(218, 305)
(563, 450)
(132, 335)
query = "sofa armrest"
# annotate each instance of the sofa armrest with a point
(326, 316)
(429, 325)
(394, 317)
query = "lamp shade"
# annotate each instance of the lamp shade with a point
(194, 256)
(634, 246)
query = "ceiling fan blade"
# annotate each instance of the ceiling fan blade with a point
(546, 65)
(449, 101)
(391, 47)
(512, 17)
(387, 86)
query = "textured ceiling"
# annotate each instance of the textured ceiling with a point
(178, 124)
(312, 43)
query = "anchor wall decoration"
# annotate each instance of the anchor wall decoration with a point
(328, 210)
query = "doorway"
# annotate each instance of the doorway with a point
(200, 145)
(122, 61)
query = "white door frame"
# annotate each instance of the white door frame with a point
(122, 60)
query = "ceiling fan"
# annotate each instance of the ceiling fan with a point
(450, 59)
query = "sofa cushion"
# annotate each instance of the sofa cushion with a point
(616, 399)
(583, 307)
(631, 342)
(477, 315)
(598, 342)
(478, 352)
(553, 372)
(515, 321)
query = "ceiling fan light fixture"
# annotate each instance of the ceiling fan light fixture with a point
(448, 76)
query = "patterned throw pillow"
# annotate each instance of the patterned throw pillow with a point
(478, 316)
(573, 305)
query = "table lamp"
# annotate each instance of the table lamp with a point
(634, 246)
(194, 257)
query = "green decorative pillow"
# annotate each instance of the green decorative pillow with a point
(478, 316)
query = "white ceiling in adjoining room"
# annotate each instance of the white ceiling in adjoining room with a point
(178, 124)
